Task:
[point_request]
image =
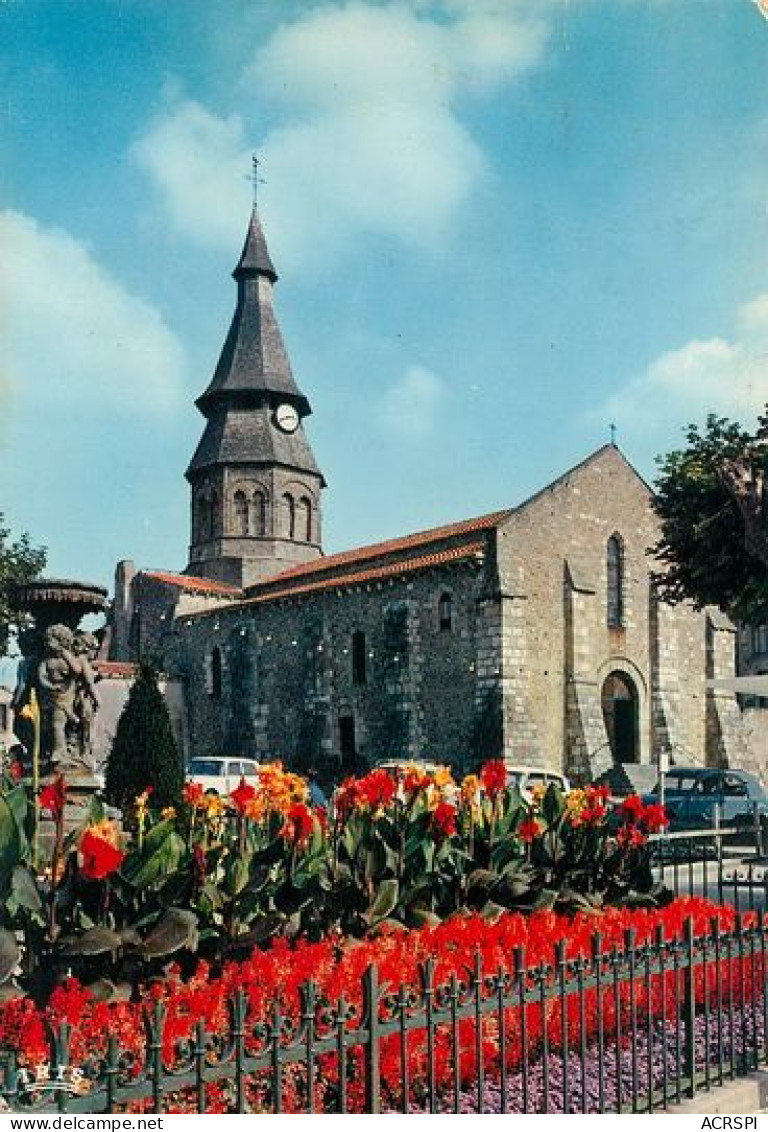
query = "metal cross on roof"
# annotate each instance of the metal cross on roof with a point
(612, 427)
(256, 180)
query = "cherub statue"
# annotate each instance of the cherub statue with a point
(57, 676)
(87, 703)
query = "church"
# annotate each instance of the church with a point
(532, 632)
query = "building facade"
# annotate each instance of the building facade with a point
(534, 632)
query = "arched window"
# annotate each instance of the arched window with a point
(216, 673)
(359, 667)
(289, 516)
(615, 582)
(241, 513)
(305, 518)
(259, 512)
(445, 613)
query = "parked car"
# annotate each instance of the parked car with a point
(526, 778)
(397, 766)
(221, 775)
(692, 793)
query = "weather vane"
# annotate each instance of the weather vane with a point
(255, 179)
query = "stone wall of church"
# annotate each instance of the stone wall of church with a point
(754, 736)
(351, 675)
(294, 673)
(680, 716)
(553, 556)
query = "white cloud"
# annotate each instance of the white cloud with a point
(73, 338)
(198, 164)
(369, 139)
(725, 376)
(409, 407)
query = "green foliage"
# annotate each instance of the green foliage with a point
(19, 562)
(217, 877)
(703, 543)
(144, 752)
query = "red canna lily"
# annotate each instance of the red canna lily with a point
(298, 825)
(444, 819)
(494, 777)
(193, 793)
(100, 857)
(53, 797)
(630, 837)
(241, 796)
(655, 817)
(529, 830)
(377, 788)
(632, 807)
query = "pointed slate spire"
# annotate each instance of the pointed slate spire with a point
(255, 485)
(255, 258)
(253, 364)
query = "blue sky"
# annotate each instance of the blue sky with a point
(498, 227)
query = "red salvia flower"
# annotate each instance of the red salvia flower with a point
(242, 795)
(494, 777)
(53, 797)
(100, 857)
(444, 819)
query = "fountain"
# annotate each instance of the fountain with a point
(55, 699)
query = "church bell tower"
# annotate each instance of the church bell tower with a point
(254, 481)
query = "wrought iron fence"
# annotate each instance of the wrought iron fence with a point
(614, 1029)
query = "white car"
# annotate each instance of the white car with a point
(221, 775)
(525, 778)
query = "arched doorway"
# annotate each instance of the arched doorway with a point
(620, 712)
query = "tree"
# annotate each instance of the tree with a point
(19, 562)
(712, 499)
(144, 752)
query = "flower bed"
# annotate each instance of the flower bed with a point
(482, 914)
(217, 876)
(462, 949)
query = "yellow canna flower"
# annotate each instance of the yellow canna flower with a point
(167, 813)
(107, 830)
(214, 806)
(576, 801)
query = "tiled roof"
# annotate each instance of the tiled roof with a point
(376, 573)
(380, 549)
(115, 668)
(193, 585)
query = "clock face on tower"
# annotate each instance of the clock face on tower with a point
(286, 418)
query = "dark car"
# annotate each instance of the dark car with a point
(692, 793)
